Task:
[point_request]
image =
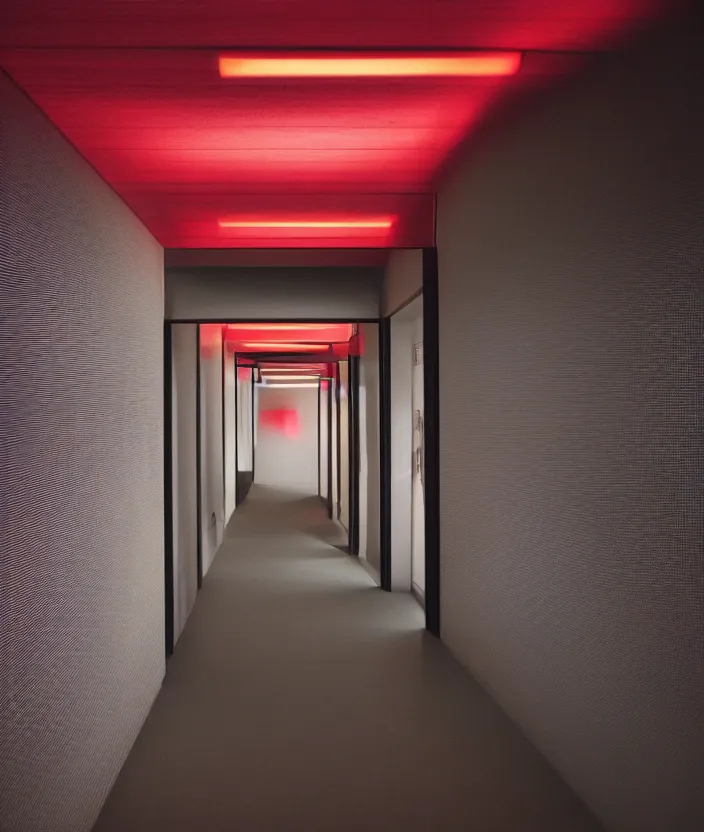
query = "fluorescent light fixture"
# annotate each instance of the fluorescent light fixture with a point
(285, 346)
(288, 378)
(279, 385)
(336, 65)
(278, 327)
(372, 222)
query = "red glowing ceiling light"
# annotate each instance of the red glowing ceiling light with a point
(420, 65)
(290, 370)
(266, 327)
(284, 346)
(376, 222)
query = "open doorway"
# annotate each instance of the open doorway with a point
(265, 404)
(408, 450)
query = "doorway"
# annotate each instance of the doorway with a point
(418, 465)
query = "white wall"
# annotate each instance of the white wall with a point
(81, 477)
(288, 459)
(369, 451)
(245, 426)
(324, 393)
(417, 478)
(403, 279)
(571, 312)
(230, 417)
(184, 359)
(401, 451)
(344, 446)
(211, 448)
(273, 294)
(333, 447)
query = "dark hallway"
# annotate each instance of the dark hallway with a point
(440, 263)
(302, 698)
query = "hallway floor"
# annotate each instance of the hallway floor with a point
(301, 697)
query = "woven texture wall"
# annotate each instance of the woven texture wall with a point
(273, 293)
(184, 402)
(571, 279)
(370, 459)
(81, 477)
(212, 474)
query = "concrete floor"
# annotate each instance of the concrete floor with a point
(301, 697)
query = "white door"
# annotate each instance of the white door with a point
(344, 446)
(333, 441)
(418, 470)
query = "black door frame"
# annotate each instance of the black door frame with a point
(320, 438)
(237, 434)
(354, 449)
(385, 453)
(223, 384)
(168, 494)
(199, 484)
(338, 467)
(254, 446)
(431, 419)
(329, 409)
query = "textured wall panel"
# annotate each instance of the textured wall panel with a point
(370, 459)
(272, 294)
(323, 422)
(184, 461)
(81, 477)
(401, 451)
(344, 444)
(403, 279)
(229, 434)
(211, 443)
(571, 258)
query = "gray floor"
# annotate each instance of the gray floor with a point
(301, 697)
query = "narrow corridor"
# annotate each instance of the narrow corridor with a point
(301, 697)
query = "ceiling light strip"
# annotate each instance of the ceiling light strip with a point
(415, 65)
(310, 224)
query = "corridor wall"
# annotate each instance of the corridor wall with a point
(272, 293)
(369, 452)
(81, 477)
(344, 460)
(212, 479)
(403, 279)
(405, 327)
(571, 260)
(323, 418)
(245, 432)
(229, 433)
(287, 438)
(184, 402)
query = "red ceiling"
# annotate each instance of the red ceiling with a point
(288, 333)
(185, 148)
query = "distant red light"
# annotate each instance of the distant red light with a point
(430, 65)
(282, 420)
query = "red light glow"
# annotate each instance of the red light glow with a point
(282, 327)
(370, 225)
(289, 333)
(285, 347)
(439, 65)
(282, 420)
(136, 88)
(306, 224)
